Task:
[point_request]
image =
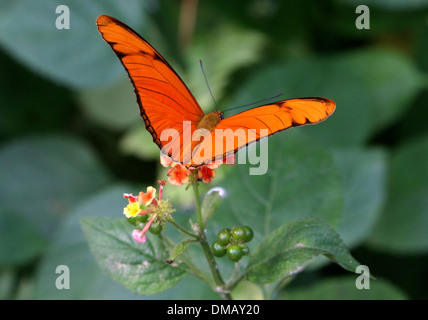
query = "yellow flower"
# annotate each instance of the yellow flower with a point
(132, 209)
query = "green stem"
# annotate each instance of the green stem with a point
(183, 230)
(188, 264)
(201, 222)
(221, 287)
(235, 278)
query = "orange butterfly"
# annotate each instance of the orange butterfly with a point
(176, 121)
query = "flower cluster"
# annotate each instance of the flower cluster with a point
(150, 213)
(145, 210)
(179, 175)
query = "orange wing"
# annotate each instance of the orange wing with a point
(242, 129)
(165, 101)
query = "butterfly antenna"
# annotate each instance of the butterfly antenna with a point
(250, 104)
(206, 81)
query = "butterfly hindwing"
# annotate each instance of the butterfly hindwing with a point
(250, 126)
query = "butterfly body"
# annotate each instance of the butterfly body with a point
(210, 120)
(176, 121)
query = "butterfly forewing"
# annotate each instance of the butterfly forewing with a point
(165, 101)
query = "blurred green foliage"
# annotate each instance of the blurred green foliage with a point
(71, 140)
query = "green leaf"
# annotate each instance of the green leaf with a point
(7, 279)
(302, 180)
(76, 57)
(20, 241)
(371, 88)
(114, 107)
(179, 248)
(210, 203)
(139, 267)
(69, 247)
(138, 142)
(363, 174)
(404, 221)
(343, 288)
(289, 248)
(43, 176)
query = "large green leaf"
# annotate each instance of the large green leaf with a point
(43, 176)
(371, 88)
(302, 180)
(114, 107)
(70, 247)
(289, 248)
(404, 221)
(139, 267)
(76, 57)
(363, 174)
(6, 284)
(344, 288)
(139, 142)
(20, 241)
